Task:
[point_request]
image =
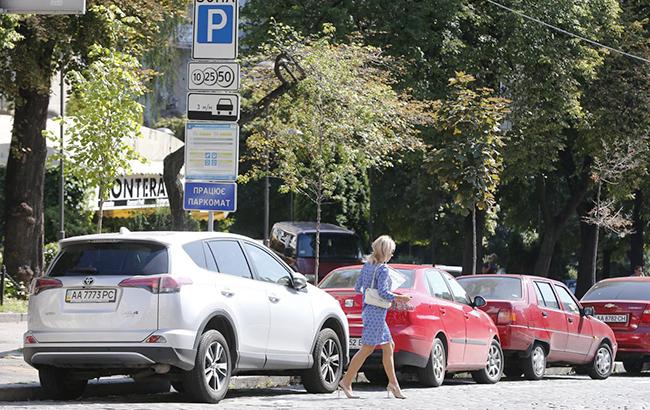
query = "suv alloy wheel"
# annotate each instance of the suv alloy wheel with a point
(208, 381)
(325, 373)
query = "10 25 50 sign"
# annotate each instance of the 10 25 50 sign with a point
(204, 76)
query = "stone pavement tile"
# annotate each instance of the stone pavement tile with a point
(11, 336)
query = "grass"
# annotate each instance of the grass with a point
(14, 306)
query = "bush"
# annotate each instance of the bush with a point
(50, 251)
(15, 292)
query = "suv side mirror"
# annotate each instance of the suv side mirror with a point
(479, 301)
(299, 281)
(587, 311)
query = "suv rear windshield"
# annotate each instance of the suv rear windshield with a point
(112, 258)
(347, 278)
(492, 287)
(619, 291)
(332, 246)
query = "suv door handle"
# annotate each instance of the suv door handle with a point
(227, 293)
(274, 299)
(544, 314)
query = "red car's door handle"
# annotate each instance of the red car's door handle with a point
(544, 314)
(443, 311)
(466, 316)
(570, 320)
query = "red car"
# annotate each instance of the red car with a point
(540, 323)
(439, 330)
(624, 304)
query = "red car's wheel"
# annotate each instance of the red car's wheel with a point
(493, 370)
(603, 364)
(535, 364)
(434, 373)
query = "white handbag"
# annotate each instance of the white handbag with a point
(371, 296)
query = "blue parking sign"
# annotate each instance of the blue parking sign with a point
(215, 24)
(215, 29)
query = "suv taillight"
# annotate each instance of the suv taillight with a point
(41, 284)
(506, 317)
(156, 284)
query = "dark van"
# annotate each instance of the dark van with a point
(295, 242)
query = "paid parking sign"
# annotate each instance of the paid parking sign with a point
(210, 196)
(215, 29)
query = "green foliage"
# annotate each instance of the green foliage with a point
(102, 130)
(342, 119)
(16, 292)
(467, 158)
(49, 253)
(13, 305)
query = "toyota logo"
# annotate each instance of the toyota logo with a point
(89, 281)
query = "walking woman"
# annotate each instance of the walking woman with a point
(374, 275)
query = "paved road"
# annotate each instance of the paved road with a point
(559, 392)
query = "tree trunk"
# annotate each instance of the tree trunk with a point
(317, 251)
(473, 239)
(586, 262)
(100, 215)
(607, 262)
(24, 180)
(171, 168)
(595, 244)
(636, 239)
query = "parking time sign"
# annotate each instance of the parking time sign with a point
(215, 29)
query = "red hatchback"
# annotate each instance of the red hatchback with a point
(624, 304)
(540, 323)
(439, 330)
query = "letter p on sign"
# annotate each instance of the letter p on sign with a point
(215, 24)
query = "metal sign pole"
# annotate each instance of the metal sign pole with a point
(210, 221)
(61, 162)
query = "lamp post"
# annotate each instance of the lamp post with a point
(61, 162)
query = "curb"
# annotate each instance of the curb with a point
(13, 317)
(124, 386)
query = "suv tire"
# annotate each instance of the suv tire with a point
(433, 374)
(60, 384)
(493, 369)
(603, 364)
(208, 381)
(535, 364)
(326, 372)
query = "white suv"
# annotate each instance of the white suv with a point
(196, 307)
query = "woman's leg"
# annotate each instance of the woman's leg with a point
(355, 364)
(387, 360)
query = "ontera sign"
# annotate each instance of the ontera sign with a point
(43, 6)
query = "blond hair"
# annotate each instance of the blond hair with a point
(382, 249)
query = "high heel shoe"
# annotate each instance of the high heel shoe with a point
(346, 391)
(391, 388)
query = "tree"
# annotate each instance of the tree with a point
(342, 119)
(467, 158)
(46, 44)
(107, 120)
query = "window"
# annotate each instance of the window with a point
(332, 246)
(114, 258)
(492, 288)
(195, 251)
(619, 290)
(348, 278)
(459, 293)
(569, 304)
(437, 285)
(230, 259)
(546, 296)
(268, 269)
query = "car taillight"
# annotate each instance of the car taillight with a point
(506, 316)
(645, 317)
(156, 284)
(42, 284)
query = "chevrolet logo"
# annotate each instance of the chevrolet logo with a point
(610, 305)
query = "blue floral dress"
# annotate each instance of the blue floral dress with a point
(375, 330)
